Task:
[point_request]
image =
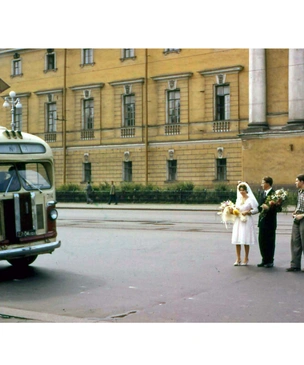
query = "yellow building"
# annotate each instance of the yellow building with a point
(159, 116)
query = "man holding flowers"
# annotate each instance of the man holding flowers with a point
(269, 205)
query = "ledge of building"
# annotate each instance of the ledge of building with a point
(255, 128)
(294, 125)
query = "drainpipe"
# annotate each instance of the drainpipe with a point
(146, 126)
(64, 117)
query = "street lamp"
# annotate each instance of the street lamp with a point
(15, 103)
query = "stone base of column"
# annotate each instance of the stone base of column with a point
(256, 127)
(294, 125)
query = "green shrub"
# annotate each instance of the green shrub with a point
(181, 186)
(222, 187)
(105, 186)
(131, 186)
(199, 189)
(69, 187)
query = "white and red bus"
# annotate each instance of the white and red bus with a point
(27, 198)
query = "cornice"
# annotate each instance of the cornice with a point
(126, 82)
(216, 71)
(51, 91)
(13, 50)
(172, 76)
(152, 144)
(89, 86)
(19, 95)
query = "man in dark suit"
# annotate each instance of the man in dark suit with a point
(297, 233)
(267, 223)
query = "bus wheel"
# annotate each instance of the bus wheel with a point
(23, 262)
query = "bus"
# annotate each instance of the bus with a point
(28, 211)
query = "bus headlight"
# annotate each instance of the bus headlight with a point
(53, 214)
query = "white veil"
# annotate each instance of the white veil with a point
(255, 203)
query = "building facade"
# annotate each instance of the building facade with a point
(161, 116)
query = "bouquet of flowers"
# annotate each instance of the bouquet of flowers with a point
(276, 199)
(229, 212)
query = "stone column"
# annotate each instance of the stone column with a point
(296, 88)
(257, 89)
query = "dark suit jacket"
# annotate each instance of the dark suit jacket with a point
(268, 218)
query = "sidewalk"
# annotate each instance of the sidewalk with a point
(131, 206)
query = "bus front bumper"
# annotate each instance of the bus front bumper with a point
(40, 249)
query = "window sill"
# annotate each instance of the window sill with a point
(19, 75)
(50, 70)
(177, 50)
(128, 58)
(87, 64)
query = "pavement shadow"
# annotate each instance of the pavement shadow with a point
(34, 283)
(12, 273)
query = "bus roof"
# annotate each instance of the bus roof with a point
(17, 142)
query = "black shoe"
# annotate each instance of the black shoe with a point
(293, 269)
(261, 264)
(268, 266)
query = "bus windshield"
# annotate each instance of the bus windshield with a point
(29, 175)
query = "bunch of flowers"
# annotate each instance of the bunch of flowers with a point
(276, 199)
(229, 212)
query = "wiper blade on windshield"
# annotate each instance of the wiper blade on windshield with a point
(30, 183)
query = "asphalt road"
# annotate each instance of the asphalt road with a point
(151, 267)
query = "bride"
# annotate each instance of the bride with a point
(243, 232)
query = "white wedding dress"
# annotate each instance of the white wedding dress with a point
(243, 233)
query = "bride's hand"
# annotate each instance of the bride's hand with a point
(246, 212)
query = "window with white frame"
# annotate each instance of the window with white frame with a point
(51, 117)
(87, 56)
(127, 171)
(18, 118)
(222, 102)
(173, 106)
(88, 114)
(129, 110)
(221, 169)
(16, 67)
(87, 171)
(171, 170)
(50, 60)
(128, 53)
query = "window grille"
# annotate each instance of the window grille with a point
(172, 169)
(88, 114)
(127, 172)
(173, 112)
(129, 110)
(51, 115)
(221, 169)
(222, 102)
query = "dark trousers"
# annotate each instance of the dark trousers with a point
(267, 244)
(112, 197)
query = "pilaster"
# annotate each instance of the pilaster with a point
(257, 91)
(296, 89)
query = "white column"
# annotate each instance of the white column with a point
(296, 86)
(257, 88)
